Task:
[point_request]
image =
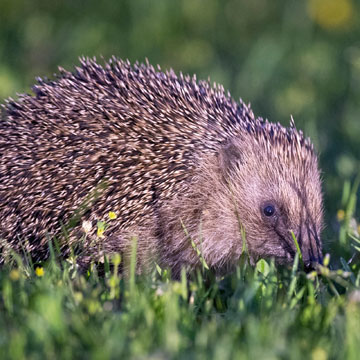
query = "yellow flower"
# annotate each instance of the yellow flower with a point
(39, 271)
(340, 215)
(100, 228)
(14, 274)
(100, 232)
(112, 215)
(331, 14)
(319, 354)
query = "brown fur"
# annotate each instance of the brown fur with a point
(169, 155)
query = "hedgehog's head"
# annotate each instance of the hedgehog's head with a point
(274, 180)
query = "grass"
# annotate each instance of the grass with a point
(54, 311)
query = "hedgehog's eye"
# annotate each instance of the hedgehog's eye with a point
(269, 210)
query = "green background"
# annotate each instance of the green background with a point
(284, 56)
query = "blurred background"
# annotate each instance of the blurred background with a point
(284, 56)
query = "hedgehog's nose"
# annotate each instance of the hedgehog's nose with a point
(310, 245)
(311, 262)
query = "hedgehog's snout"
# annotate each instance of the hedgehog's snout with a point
(312, 263)
(312, 260)
(310, 248)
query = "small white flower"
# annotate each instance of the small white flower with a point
(354, 296)
(86, 225)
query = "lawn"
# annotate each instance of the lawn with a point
(55, 311)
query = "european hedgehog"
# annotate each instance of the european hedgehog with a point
(182, 165)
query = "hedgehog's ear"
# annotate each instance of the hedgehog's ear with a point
(229, 157)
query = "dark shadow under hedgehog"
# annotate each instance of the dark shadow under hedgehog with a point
(174, 158)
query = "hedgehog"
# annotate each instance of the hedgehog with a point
(182, 167)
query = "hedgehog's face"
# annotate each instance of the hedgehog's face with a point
(277, 196)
